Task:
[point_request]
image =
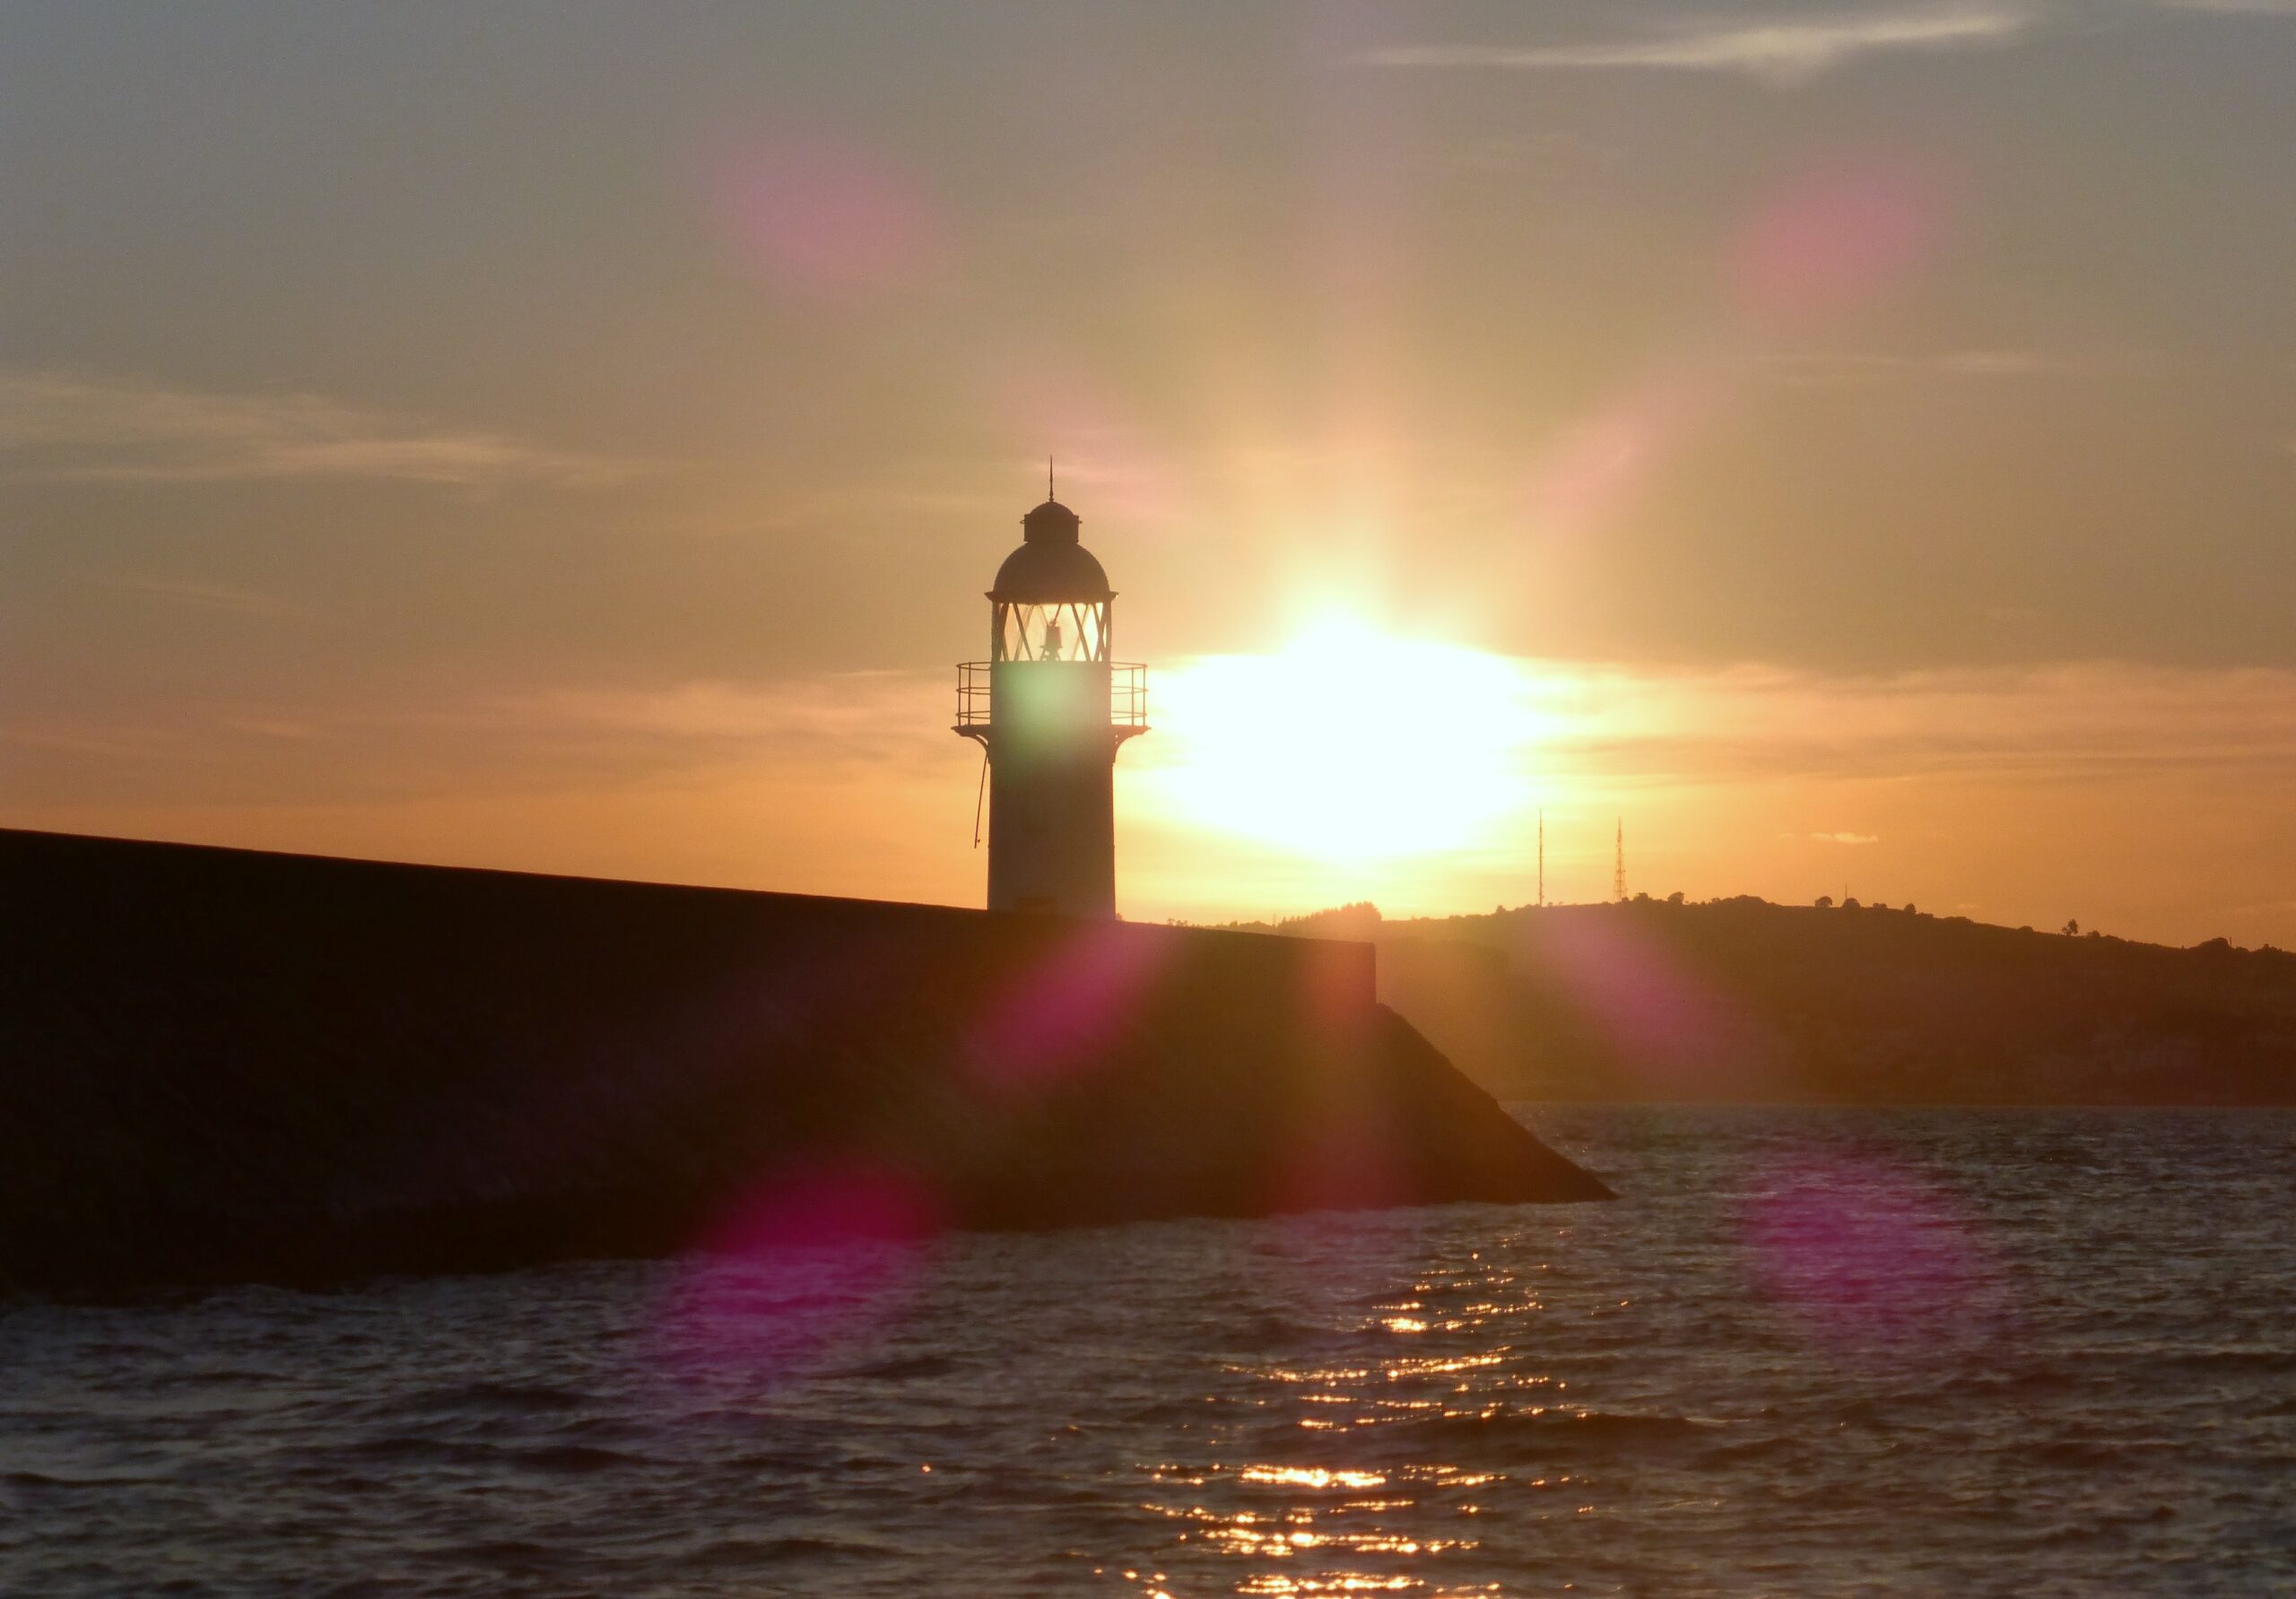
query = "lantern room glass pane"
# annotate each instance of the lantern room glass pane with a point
(1076, 631)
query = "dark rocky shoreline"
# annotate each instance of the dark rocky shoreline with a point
(1741, 1002)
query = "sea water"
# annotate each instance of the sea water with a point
(1807, 1352)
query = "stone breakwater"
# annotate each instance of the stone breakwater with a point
(220, 1064)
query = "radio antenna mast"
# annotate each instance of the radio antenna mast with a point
(1542, 856)
(1618, 868)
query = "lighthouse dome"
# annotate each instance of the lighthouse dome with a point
(1051, 567)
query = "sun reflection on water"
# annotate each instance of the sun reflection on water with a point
(1400, 1456)
(1312, 1476)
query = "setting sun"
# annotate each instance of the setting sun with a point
(1350, 745)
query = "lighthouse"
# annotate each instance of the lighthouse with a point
(1050, 709)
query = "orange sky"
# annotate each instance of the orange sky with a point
(1856, 444)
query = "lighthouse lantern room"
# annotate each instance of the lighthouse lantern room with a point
(1050, 709)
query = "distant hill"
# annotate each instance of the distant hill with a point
(1742, 1000)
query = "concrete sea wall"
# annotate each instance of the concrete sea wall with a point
(220, 1065)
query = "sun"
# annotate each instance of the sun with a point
(1351, 744)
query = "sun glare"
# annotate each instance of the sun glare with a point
(1349, 744)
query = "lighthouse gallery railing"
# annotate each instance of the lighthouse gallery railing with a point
(1128, 693)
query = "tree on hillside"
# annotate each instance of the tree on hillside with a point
(1359, 919)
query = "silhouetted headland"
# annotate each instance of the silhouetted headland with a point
(1739, 1000)
(220, 1065)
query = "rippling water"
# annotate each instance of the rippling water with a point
(1809, 1351)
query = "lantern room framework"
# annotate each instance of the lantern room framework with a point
(1073, 631)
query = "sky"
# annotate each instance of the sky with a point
(1852, 446)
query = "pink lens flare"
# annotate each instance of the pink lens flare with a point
(1064, 1015)
(1868, 1255)
(808, 1259)
(1105, 456)
(1827, 244)
(1838, 238)
(1665, 1024)
(1595, 470)
(831, 221)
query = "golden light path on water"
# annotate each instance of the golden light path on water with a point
(1348, 744)
(1368, 1499)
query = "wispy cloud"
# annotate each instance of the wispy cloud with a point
(847, 732)
(835, 720)
(62, 424)
(2089, 722)
(1783, 49)
(1863, 366)
(201, 595)
(2234, 8)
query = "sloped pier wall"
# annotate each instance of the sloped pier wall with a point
(218, 1064)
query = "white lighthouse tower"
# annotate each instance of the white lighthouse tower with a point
(1050, 710)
